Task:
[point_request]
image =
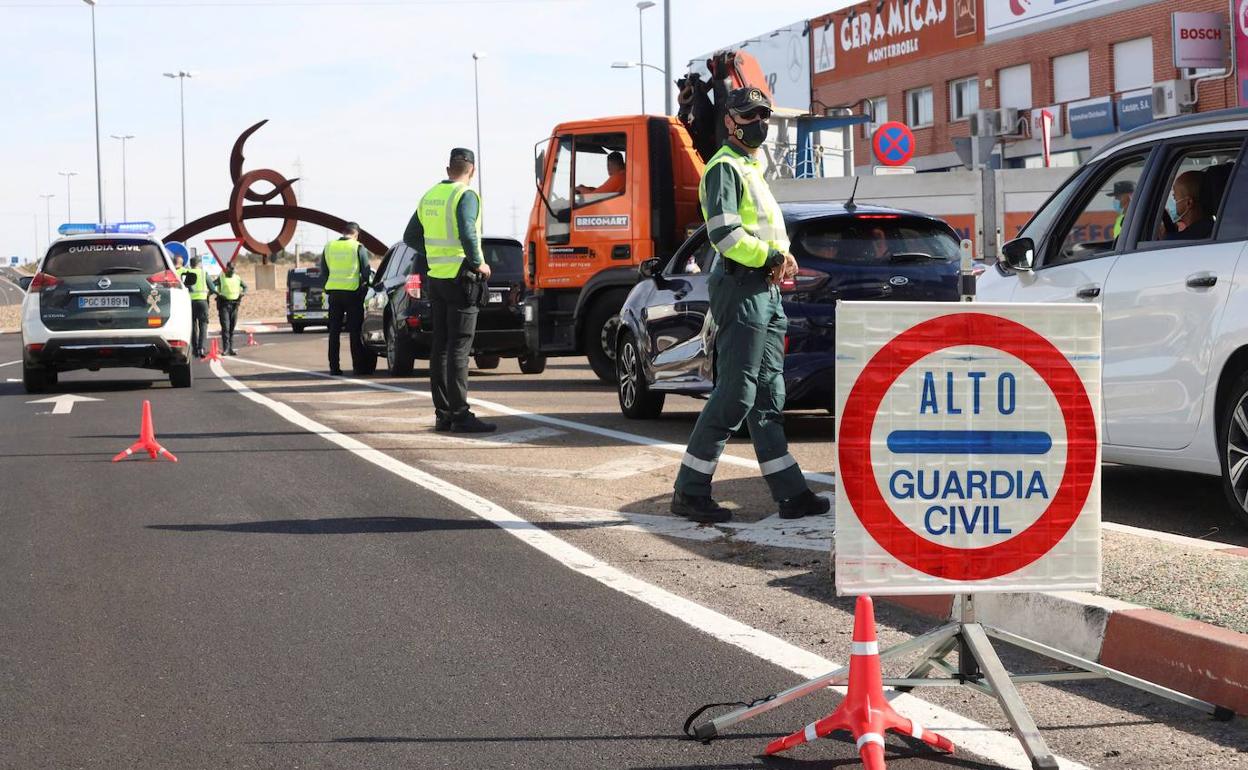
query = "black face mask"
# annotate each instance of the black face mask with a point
(752, 135)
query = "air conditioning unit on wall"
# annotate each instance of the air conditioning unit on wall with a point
(1173, 97)
(1007, 122)
(985, 123)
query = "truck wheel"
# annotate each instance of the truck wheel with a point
(601, 323)
(534, 363)
(637, 401)
(400, 354)
(486, 361)
(1233, 447)
(34, 380)
(180, 376)
(297, 328)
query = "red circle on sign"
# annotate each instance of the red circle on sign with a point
(893, 143)
(857, 471)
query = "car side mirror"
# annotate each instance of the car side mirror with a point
(648, 268)
(189, 279)
(1019, 254)
(24, 281)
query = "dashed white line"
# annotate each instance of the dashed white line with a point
(969, 735)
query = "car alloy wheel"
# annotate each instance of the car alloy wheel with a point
(1237, 453)
(628, 374)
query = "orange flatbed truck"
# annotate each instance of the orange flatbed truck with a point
(612, 193)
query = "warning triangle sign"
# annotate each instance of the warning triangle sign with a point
(224, 249)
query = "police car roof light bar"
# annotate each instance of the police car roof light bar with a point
(95, 228)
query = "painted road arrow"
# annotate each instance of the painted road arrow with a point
(64, 403)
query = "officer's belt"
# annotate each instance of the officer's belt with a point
(733, 267)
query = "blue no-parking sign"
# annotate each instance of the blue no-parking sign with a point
(893, 143)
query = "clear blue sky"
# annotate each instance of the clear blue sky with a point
(368, 96)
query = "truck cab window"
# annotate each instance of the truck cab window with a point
(601, 167)
(559, 194)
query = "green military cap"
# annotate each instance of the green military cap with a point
(744, 101)
(464, 154)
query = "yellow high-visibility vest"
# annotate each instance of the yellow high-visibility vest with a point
(230, 287)
(758, 213)
(437, 212)
(342, 258)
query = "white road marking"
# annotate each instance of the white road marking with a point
(519, 439)
(611, 470)
(336, 397)
(623, 521)
(969, 735)
(559, 422)
(62, 404)
(10, 363)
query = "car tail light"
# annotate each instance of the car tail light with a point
(413, 322)
(34, 347)
(166, 278)
(43, 281)
(786, 344)
(412, 287)
(878, 216)
(177, 343)
(805, 280)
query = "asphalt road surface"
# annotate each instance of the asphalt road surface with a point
(10, 292)
(322, 582)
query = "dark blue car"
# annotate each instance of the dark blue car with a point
(665, 341)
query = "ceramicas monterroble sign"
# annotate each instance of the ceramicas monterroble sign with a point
(865, 41)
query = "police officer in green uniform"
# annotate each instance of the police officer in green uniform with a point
(229, 288)
(344, 263)
(445, 232)
(747, 229)
(196, 280)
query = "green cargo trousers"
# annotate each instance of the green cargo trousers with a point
(749, 385)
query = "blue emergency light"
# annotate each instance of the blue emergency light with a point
(94, 228)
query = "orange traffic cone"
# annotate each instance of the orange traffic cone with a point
(865, 712)
(147, 438)
(251, 340)
(214, 353)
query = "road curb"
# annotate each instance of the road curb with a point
(1194, 658)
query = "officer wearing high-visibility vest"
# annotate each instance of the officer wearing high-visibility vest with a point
(196, 279)
(747, 229)
(229, 288)
(445, 232)
(344, 263)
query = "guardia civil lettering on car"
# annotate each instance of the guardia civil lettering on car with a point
(105, 295)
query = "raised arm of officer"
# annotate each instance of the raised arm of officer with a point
(466, 214)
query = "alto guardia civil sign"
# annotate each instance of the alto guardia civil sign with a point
(968, 447)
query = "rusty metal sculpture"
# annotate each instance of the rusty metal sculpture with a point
(289, 210)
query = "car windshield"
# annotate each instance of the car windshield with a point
(103, 257)
(877, 239)
(505, 258)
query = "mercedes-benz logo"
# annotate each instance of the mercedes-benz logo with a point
(104, 283)
(899, 280)
(795, 60)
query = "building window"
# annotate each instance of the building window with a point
(1014, 85)
(877, 108)
(919, 107)
(963, 98)
(1070, 77)
(1133, 64)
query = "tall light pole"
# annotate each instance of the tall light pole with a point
(69, 210)
(476, 93)
(667, 57)
(125, 216)
(624, 65)
(641, 43)
(181, 77)
(95, 82)
(47, 207)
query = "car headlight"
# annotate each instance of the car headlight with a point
(529, 312)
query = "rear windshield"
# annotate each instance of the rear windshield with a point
(305, 278)
(104, 257)
(505, 258)
(878, 240)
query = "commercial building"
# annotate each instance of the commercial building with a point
(953, 68)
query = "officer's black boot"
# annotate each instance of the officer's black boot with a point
(471, 424)
(703, 510)
(805, 504)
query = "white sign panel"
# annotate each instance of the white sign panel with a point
(1200, 40)
(1004, 16)
(968, 447)
(1037, 127)
(784, 55)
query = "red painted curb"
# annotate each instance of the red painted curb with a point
(1195, 658)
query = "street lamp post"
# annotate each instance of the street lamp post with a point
(623, 65)
(476, 93)
(641, 43)
(124, 215)
(69, 211)
(95, 81)
(667, 57)
(47, 213)
(181, 77)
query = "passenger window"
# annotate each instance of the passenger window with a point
(1097, 228)
(558, 194)
(402, 258)
(695, 261)
(601, 167)
(1188, 206)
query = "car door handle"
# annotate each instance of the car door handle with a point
(1089, 292)
(1202, 281)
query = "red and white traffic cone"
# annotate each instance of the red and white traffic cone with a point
(251, 339)
(147, 439)
(214, 353)
(865, 712)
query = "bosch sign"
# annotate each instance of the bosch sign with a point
(1199, 40)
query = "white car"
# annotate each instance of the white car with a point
(1154, 229)
(105, 296)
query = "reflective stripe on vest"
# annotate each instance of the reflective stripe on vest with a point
(230, 288)
(342, 258)
(200, 289)
(437, 212)
(756, 199)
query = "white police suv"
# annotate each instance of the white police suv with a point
(105, 296)
(1154, 229)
